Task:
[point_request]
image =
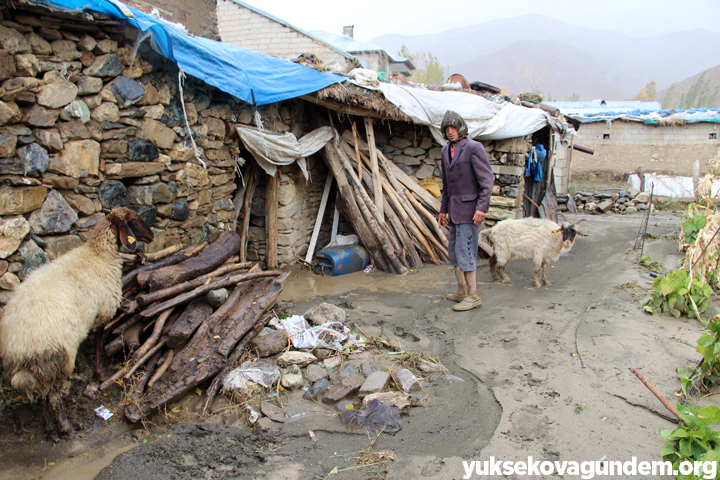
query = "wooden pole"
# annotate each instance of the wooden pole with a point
(318, 220)
(247, 203)
(357, 151)
(336, 220)
(370, 132)
(271, 217)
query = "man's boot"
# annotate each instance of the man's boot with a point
(457, 297)
(468, 303)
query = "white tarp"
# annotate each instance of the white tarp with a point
(273, 149)
(670, 186)
(486, 119)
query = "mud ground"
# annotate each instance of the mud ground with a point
(540, 372)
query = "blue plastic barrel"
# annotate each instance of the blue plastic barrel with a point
(341, 259)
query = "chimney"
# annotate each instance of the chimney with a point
(348, 31)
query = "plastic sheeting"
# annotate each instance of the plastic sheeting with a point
(486, 119)
(273, 149)
(250, 76)
(670, 186)
(328, 335)
(660, 117)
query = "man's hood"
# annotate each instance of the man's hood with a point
(453, 119)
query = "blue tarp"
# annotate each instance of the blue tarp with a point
(248, 75)
(659, 117)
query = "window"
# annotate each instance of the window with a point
(713, 136)
(606, 136)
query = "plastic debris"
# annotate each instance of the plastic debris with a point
(296, 358)
(103, 412)
(375, 416)
(265, 374)
(393, 399)
(329, 335)
(407, 381)
(252, 415)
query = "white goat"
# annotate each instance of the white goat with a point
(52, 311)
(541, 241)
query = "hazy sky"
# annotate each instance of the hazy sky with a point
(414, 17)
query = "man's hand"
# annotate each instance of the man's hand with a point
(442, 219)
(478, 217)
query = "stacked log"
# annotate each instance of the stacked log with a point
(172, 338)
(405, 232)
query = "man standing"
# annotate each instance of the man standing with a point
(467, 186)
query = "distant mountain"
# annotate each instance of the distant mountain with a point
(632, 61)
(701, 90)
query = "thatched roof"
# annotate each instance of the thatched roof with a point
(353, 100)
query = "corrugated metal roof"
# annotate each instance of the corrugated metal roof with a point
(603, 106)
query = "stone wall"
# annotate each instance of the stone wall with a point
(246, 28)
(416, 152)
(199, 17)
(82, 132)
(622, 147)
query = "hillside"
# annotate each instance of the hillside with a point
(634, 60)
(701, 90)
(552, 69)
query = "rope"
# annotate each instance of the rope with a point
(181, 80)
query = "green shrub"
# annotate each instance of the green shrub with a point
(671, 295)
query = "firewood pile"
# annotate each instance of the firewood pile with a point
(394, 218)
(184, 342)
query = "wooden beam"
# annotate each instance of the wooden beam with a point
(377, 194)
(271, 217)
(318, 220)
(347, 109)
(335, 223)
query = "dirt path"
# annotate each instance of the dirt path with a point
(538, 372)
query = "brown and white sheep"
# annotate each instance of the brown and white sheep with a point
(52, 311)
(539, 240)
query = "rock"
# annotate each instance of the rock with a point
(347, 370)
(332, 362)
(605, 206)
(56, 95)
(157, 133)
(180, 211)
(33, 257)
(375, 383)
(217, 297)
(34, 158)
(13, 42)
(105, 66)
(336, 393)
(49, 139)
(12, 232)
(8, 143)
(149, 194)
(151, 95)
(406, 160)
(264, 424)
(79, 159)
(317, 390)
(641, 206)
(9, 281)
(142, 151)
(133, 169)
(73, 131)
(631, 210)
(113, 194)
(399, 142)
(106, 112)
(76, 111)
(407, 381)
(38, 116)
(126, 90)
(425, 171)
(86, 43)
(27, 65)
(55, 215)
(9, 113)
(296, 358)
(106, 46)
(216, 127)
(79, 202)
(292, 381)
(325, 312)
(92, 102)
(633, 192)
(353, 382)
(413, 151)
(89, 85)
(642, 197)
(39, 45)
(313, 372)
(273, 412)
(66, 50)
(88, 222)
(57, 246)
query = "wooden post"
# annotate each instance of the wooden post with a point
(336, 220)
(377, 194)
(271, 216)
(318, 220)
(247, 201)
(357, 151)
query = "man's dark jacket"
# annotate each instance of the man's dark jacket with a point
(467, 181)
